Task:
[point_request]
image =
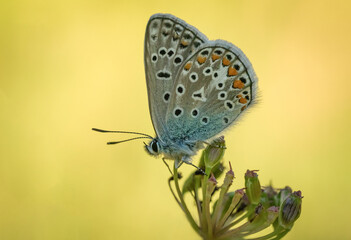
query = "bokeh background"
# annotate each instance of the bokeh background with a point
(68, 66)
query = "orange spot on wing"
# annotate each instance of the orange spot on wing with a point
(184, 43)
(225, 61)
(243, 108)
(201, 59)
(239, 96)
(238, 84)
(188, 66)
(215, 57)
(243, 100)
(232, 71)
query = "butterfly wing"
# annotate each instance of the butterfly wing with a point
(168, 42)
(213, 88)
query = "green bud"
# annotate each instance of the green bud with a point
(218, 170)
(282, 195)
(273, 213)
(253, 187)
(263, 218)
(290, 210)
(231, 202)
(214, 153)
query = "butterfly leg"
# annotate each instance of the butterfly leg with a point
(164, 161)
(187, 160)
(178, 162)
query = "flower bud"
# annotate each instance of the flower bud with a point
(214, 153)
(253, 187)
(282, 195)
(211, 184)
(231, 201)
(290, 210)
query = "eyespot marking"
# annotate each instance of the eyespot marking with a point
(237, 67)
(193, 77)
(180, 89)
(243, 80)
(170, 52)
(220, 86)
(218, 52)
(222, 95)
(178, 59)
(199, 95)
(154, 24)
(229, 105)
(154, 57)
(205, 120)
(194, 112)
(207, 71)
(187, 36)
(178, 111)
(166, 96)
(162, 51)
(168, 24)
(197, 44)
(163, 75)
(229, 57)
(225, 120)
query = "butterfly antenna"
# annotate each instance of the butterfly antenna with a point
(107, 131)
(127, 140)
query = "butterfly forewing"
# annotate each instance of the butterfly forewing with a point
(168, 43)
(213, 87)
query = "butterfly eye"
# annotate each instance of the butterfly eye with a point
(154, 146)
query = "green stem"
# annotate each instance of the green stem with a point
(235, 222)
(198, 204)
(175, 197)
(233, 232)
(185, 209)
(277, 232)
(205, 216)
(207, 211)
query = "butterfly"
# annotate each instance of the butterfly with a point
(196, 88)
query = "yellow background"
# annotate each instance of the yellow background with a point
(67, 66)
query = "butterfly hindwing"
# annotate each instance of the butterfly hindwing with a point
(213, 87)
(168, 43)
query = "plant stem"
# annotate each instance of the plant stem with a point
(175, 197)
(185, 209)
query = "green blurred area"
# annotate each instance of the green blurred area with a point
(68, 66)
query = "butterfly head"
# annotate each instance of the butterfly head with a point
(154, 147)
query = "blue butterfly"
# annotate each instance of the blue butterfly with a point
(196, 88)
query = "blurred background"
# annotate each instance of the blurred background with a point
(68, 66)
